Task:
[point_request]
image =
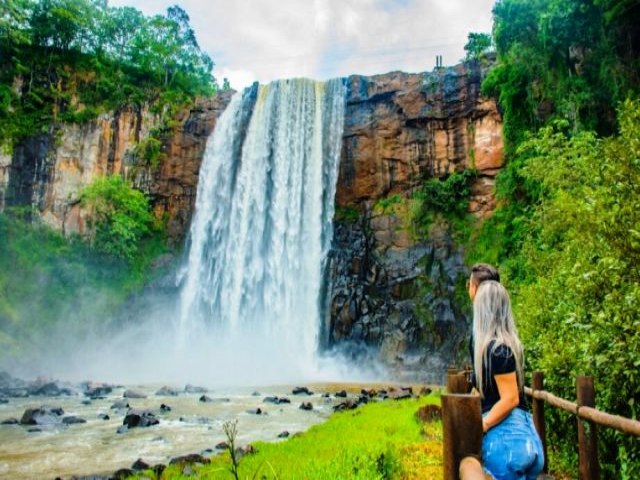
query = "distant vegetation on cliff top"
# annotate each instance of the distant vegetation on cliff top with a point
(69, 60)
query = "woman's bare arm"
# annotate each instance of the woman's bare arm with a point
(509, 399)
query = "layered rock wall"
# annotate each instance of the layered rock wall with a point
(401, 129)
(49, 171)
(399, 292)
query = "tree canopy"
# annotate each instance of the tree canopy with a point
(67, 60)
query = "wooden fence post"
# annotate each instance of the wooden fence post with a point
(538, 415)
(587, 437)
(462, 431)
(458, 383)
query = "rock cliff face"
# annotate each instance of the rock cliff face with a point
(401, 129)
(401, 294)
(50, 170)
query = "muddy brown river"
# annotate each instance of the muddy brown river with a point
(191, 426)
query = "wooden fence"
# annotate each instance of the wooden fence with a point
(462, 423)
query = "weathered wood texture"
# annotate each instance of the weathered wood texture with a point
(622, 424)
(462, 429)
(587, 432)
(458, 382)
(538, 415)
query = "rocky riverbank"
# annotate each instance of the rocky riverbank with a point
(53, 428)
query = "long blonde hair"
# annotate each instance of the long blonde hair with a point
(493, 321)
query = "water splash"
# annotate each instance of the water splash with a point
(263, 226)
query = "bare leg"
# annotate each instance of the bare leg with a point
(471, 469)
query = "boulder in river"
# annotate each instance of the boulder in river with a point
(401, 394)
(12, 387)
(130, 393)
(188, 459)
(97, 390)
(167, 391)
(194, 389)
(165, 408)
(10, 421)
(72, 420)
(346, 405)
(222, 446)
(276, 400)
(306, 406)
(284, 434)
(256, 411)
(205, 398)
(140, 418)
(341, 394)
(301, 391)
(49, 389)
(119, 404)
(42, 416)
(140, 464)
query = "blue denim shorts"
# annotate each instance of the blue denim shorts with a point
(512, 450)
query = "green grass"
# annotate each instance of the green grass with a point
(377, 441)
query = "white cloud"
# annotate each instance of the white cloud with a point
(268, 39)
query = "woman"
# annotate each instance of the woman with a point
(511, 447)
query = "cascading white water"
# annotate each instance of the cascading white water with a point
(262, 227)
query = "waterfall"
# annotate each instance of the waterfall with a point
(262, 226)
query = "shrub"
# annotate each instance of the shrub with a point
(119, 215)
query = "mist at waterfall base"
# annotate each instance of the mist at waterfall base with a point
(250, 302)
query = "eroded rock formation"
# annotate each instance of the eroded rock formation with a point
(50, 170)
(402, 128)
(398, 292)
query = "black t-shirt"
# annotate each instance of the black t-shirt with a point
(501, 361)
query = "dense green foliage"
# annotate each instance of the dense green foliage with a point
(562, 59)
(119, 216)
(566, 232)
(69, 60)
(579, 308)
(478, 45)
(449, 196)
(378, 441)
(47, 280)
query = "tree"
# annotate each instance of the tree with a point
(14, 16)
(119, 215)
(478, 45)
(62, 24)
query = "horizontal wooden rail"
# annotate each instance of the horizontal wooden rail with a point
(551, 399)
(622, 424)
(463, 423)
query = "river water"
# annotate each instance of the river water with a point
(191, 426)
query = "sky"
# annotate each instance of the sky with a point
(264, 40)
